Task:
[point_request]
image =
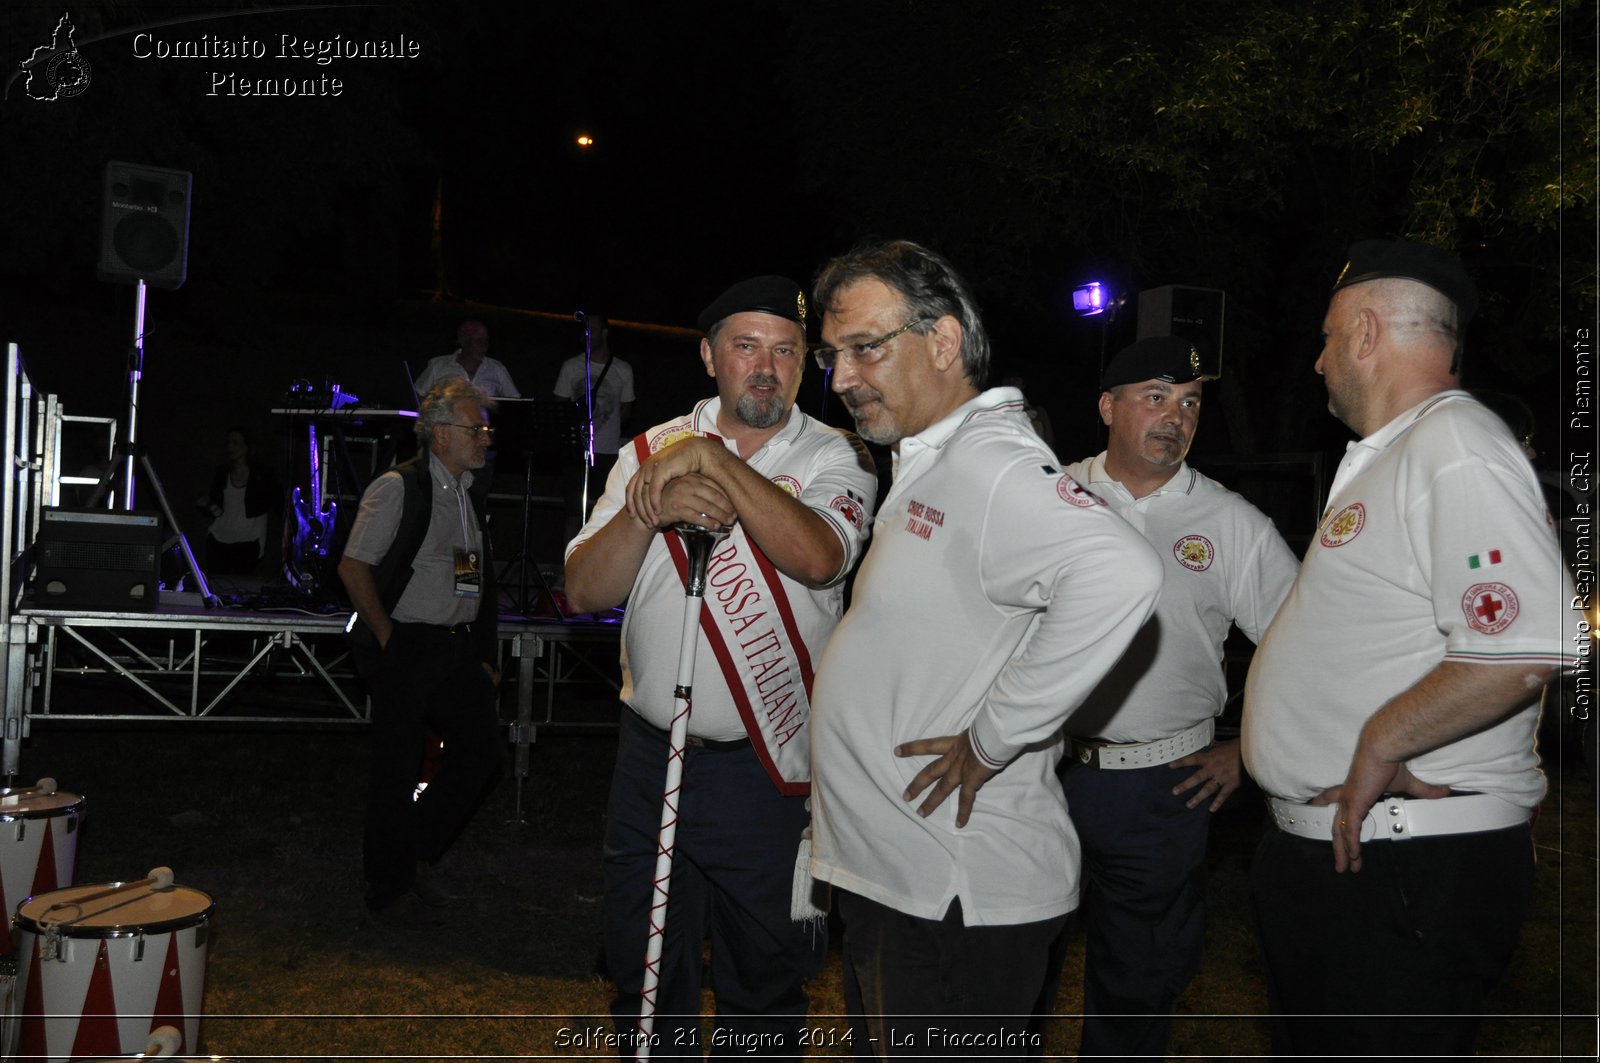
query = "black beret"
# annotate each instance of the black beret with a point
(1440, 270)
(1173, 359)
(778, 296)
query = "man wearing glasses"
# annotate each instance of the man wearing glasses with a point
(418, 573)
(798, 496)
(995, 595)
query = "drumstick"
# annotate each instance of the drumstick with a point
(163, 1042)
(160, 878)
(44, 788)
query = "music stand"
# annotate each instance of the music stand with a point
(545, 432)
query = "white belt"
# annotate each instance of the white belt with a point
(1401, 818)
(1144, 754)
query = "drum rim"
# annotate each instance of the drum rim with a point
(116, 930)
(9, 815)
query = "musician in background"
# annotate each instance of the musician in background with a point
(244, 497)
(612, 381)
(470, 361)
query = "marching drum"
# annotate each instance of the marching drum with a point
(38, 844)
(99, 967)
(163, 1041)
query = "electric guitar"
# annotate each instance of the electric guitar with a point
(306, 561)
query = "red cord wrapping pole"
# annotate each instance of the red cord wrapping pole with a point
(697, 543)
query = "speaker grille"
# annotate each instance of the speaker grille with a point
(145, 242)
(120, 557)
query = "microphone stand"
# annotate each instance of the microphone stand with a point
(588, 395)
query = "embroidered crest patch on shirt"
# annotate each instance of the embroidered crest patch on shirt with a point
(670, 435)
(1344, 525)
(1194, 552)
(790, 485)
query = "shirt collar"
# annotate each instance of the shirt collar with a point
(937, 434)
(1384, 437)
(705, 420)
(1181, 481)
(442, 477)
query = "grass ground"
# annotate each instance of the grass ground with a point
(267, 822)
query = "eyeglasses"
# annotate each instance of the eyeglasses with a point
(483, 430)
(861, 353)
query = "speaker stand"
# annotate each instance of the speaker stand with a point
(128, 452)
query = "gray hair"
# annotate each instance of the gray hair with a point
(437, 407)
(927, 283)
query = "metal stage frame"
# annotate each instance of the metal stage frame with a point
(183, 661)
(181, 664)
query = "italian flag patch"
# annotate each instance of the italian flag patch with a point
(1483, 560)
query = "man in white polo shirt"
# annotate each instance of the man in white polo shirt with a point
(798, 495)
(995, 595)
(1142, 825)
(1391, 709)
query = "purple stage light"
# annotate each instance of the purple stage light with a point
(1089, 299)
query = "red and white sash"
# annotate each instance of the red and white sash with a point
(749, 623)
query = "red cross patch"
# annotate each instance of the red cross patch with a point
(852, 510)
(1072, 491)
(1489, 607)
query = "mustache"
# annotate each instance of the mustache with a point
(763, 380)
(857, 395)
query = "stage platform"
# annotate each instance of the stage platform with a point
(263, 653)
(187, 663)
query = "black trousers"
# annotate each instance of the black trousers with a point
(938, 989)
(732, 875)
(1394, 959)
(1143, 913)
(427, 676)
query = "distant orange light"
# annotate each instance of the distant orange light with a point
(585, 140)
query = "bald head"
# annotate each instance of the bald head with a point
(1413, 312)
(1388, 344)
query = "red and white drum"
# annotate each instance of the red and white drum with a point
(38, 844)
(101, 966)
(163, 1043)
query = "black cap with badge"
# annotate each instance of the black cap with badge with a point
(1440, 270)
(778, 296)
(1172, 359)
